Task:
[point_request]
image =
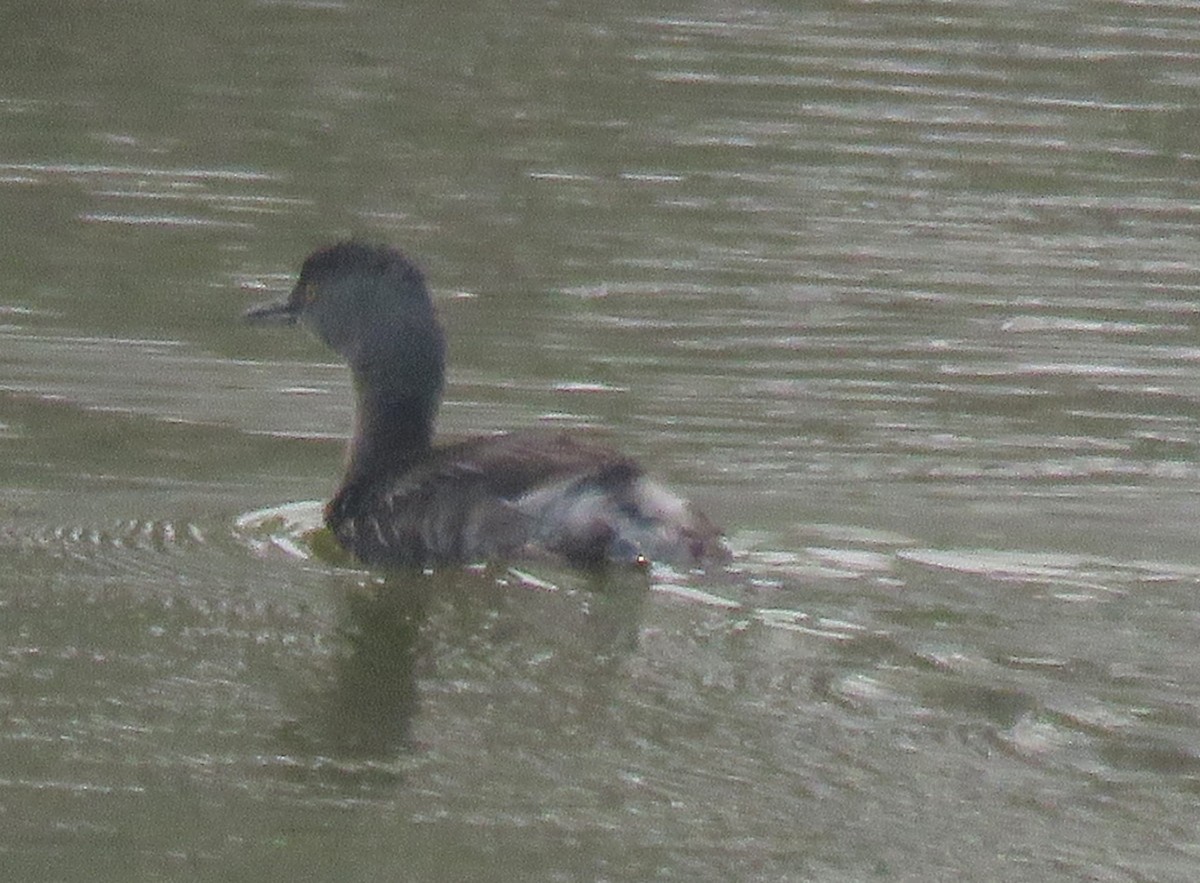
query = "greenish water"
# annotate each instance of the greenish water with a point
(906, 295)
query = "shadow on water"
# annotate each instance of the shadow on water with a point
(449, 631)
(368, 711)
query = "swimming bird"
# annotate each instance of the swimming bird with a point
(406, 502)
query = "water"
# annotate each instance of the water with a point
(904, 294)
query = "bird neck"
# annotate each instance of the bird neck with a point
(393, 429)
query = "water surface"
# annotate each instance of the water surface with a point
(904, 294)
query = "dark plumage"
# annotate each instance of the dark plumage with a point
(404, 502)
